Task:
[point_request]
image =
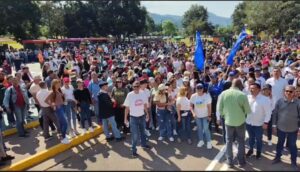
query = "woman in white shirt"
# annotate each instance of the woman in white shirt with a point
(184, 115)
(70, 104)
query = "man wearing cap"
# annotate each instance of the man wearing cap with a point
(234, 107)
(94, 89)
(258, 77)
(243, 67)
(258, 119)
(201, 110)
(267, 91)
(136, 107)
(214, 88)
(106, 114)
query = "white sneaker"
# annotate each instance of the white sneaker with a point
(84, 131)
(175, 133)
(160, 138)
(270, 142)
(65, 141)
(72, 134)
(147, 133)
(209, 146)
(171, 139)
(91, 129)
(200, 144)
(157, 128)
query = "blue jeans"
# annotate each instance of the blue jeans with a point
(71, 114)
(202, 129)
(20, 113)
(96, 109)
(62, 120)
(137, 127)
(164, 117)
(185, 128)
(255, 135)
(174, 118)
(291, 139)
(85, 114)
(114, 128)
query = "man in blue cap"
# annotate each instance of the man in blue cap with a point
(214, 88)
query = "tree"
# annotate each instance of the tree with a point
(169, 28)
(196, 18)
(20, 19)
(238, 17)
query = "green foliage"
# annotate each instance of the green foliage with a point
(169, 28)
(196, 18)
(20, 19)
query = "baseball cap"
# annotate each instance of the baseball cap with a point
(231, 73)
(79, 80)
(161, 87)
(66, 79)
(267, 86)
(199, 86)
(186, 79)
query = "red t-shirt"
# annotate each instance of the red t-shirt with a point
(20, 99)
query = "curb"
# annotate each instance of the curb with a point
(13, 131)
(51, 152)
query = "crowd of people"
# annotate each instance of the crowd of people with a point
(142, 87)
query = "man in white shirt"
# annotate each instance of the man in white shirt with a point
(146, 92)
(136, 105)
(278, 84)
(46, 112)
(201, 110)
(258, 119)
(259, 77)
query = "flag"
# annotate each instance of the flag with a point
(245, 33)
(199, 53)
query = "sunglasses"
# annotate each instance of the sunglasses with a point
(136, 86)
(289, 91)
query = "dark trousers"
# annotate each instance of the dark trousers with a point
(48, 119)
(213, 115)
(119, 116)
(41, 120)
(292, 139)
(11, 118)
(255, 136)
(153, 113)
(269, 129)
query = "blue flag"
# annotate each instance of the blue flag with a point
(236, 46)
(199, 54)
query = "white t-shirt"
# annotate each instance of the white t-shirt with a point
(147, 95)
(200, 104)
(136, 103)
(184, 102)
(41, 97)
(277, 87)
(69, 93)
(177, 65)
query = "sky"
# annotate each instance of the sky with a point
(220, 8)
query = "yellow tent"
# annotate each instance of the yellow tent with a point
(10, 43)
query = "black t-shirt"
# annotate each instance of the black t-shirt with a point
(82, 95)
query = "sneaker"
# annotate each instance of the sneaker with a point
(200, 144)
(209, 145)
(249, 153)
(84, 131)
(48, 138)
(146, 147)
(7, 158)
(147, 132)
(175, 133)
(72, 134)
(157, 128)
(76, 133)
(160, 138)
(276, 160)
(120, 139)
(109, 139)
(189, 141)
(258, 155)
(91, 129)
(270, 142)
(171, 139)
(65, 141)
(135, 155)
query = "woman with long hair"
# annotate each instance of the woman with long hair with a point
(184, 115)
(56, 100)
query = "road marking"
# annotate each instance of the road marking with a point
(235, 150)
(214, 162)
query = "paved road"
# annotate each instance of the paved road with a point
(163, 156)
